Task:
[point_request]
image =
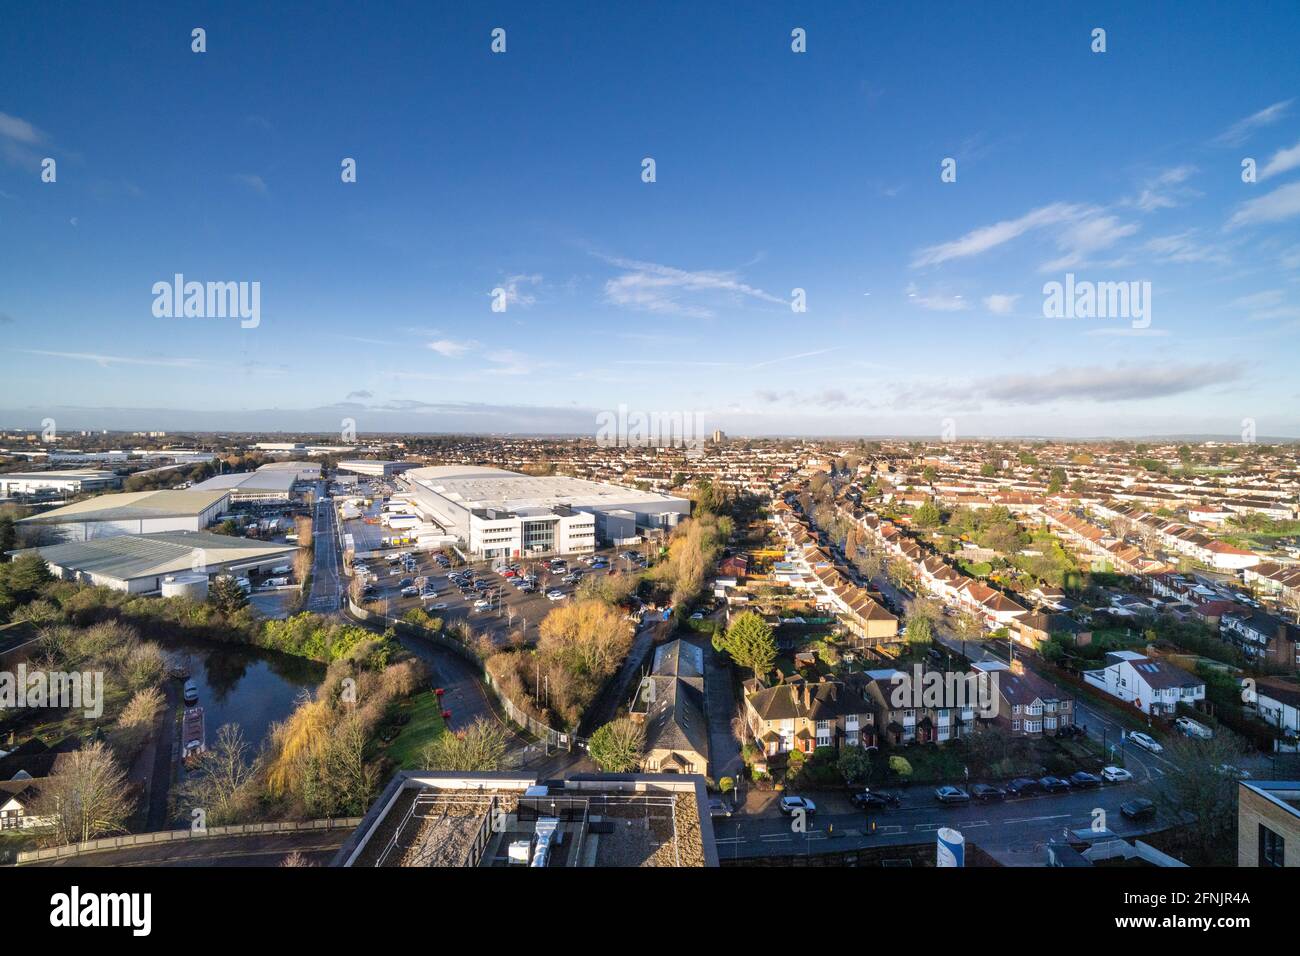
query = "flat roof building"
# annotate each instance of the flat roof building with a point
(68, 482)
(1268, 823)
(375, 469)
(451, 819)
(138, 563)
(499, 513)
(253, 487)
(135, 512)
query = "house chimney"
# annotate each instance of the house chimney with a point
(1017, 666)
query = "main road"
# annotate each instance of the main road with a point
(1018, 826)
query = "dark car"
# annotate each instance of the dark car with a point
(1053, 784)
(874, 800)
(1023, 787)
(951, 795)
(986, 793)
(1082, 780)
(1138, 809)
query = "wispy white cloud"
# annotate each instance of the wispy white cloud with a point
(936, 301)
(253, 182)
(1082, 239)
(514, 294)
(18, 139)
(1164, 190)
(651, 287)
(1282, 203)
(106, 361)
(789, 358)
(1282, 161)
(1184, 247)
(1240, 131)
(981, 240)
(1000, 303)
(452, 349)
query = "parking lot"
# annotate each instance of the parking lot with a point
(509, 609)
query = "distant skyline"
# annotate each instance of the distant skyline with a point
(775, 172)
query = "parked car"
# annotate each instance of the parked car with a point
(718, 808)
(555, 595)
(1138, 809)
(1070, 730)
(1115, 775)
(1023, 787)
(410, 591)
(440, 606)
(986, 793)
(951, 795)
(874, 800)
(1052, 784)
(1146, 742)
(790, 805)
(482, 605)
(1082, 780)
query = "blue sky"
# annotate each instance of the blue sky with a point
(775, 171)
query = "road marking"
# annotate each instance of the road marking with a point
(774, 836)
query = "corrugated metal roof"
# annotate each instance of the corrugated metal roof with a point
(131, 505)
(128, 556)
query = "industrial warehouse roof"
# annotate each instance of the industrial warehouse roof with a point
(472, 486)
(73, 473)
(274, 480)
(129, 556)
(133, 505)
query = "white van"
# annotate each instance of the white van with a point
(1193, 728)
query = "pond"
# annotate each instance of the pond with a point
(245, 685)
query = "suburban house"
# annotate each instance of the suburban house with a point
(1277, 702)
(906, 723)
(670, 703)
(1154, 687)
(1028, 705)
(797, 715)
(17, 798)
(1261, 635)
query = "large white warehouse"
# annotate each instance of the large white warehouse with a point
(136, 512)
(498, 513)
(141, 563)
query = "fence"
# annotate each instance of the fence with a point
(174, 836)
(517, 715)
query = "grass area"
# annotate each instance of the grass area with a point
(424, 724)
(53, 725)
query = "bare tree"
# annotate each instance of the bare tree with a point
(222, 783)
(87, 796)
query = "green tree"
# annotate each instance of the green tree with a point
(919, 630)
(226, 595)
(480, 749)
(617, 746)
(928, 515)
(750, 642)
(1057, 481)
